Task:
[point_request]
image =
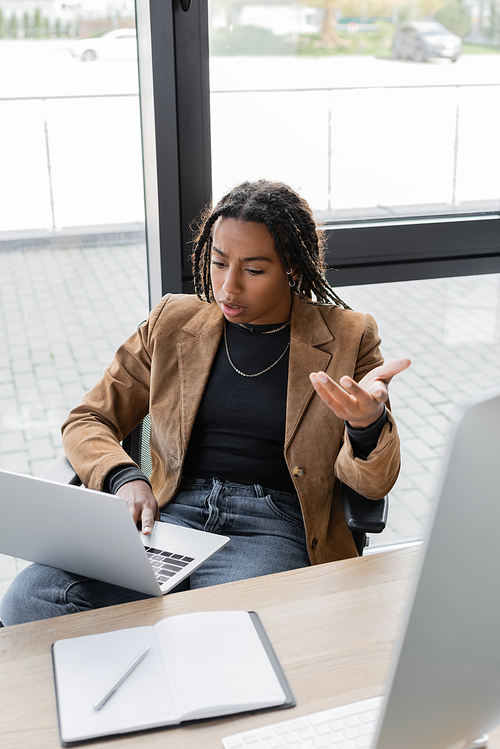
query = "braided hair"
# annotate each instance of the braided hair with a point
(289, 220)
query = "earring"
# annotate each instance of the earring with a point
(289, 273)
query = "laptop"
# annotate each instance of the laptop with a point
(443, 689)
(93, 534)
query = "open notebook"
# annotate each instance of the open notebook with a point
(199, 665)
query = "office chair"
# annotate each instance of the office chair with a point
(362, 515)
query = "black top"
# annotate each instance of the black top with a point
(239, 431)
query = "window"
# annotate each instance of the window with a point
(73, 264)
(373, 122)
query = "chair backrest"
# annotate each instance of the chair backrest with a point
(363, 516)
(136, 444)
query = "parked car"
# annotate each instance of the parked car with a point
(114, 45)
(424, 39)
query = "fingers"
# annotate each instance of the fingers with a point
(141, 503)
(336, 397)
(360, 403)
(377, 389)
(392, 368)
(147, 520)
(149, 513)
(360, 409)
(346, 393)
(376, 382)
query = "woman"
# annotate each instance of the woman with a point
(262, 401)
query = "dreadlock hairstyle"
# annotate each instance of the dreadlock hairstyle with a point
(290, 222)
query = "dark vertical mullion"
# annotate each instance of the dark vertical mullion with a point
(180, 91)
(193, 116)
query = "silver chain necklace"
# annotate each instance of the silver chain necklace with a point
(264, 332)
(257, 374)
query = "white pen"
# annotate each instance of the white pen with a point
(138, 658)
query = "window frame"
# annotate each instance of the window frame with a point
(175, 111)
(175, 117)
(412, 249)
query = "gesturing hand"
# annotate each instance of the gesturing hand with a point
(142, 504)
(359, 403)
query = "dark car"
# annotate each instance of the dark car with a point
(421, 40)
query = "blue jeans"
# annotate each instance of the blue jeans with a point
(266, 531)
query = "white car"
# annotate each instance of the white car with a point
(114, 45)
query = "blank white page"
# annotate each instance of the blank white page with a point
(87, 666)
(218, 662)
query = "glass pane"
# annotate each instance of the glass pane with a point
(378, 116)
(450, 329)
(73, 273)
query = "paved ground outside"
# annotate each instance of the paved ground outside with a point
(64, 312)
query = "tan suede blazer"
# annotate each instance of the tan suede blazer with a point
(163, 368)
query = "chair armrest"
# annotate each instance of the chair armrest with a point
(61, 471)
(362, 514)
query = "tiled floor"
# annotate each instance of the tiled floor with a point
(64, 312)
(62, 315)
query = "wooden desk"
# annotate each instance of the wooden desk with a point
(332, 626)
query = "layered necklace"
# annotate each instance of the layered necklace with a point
(262, 332)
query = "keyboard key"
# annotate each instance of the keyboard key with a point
(336, 737)
(298, 724)
(352, 733)
(364, 741)
(272, 743)
(176, 566)
(281, 728)
(266, 733)
(353, 720)
(321, 742)
(234, 742)
(336, 725)
(306, 733)
(323, 729)
(250, 738)
(368, 729)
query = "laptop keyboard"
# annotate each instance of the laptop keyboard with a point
(165, 564)
(346, 727)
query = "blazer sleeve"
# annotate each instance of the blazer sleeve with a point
(374, 476)
(92, 433)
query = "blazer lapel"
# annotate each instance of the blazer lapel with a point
(195, 356)
(308, 330)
